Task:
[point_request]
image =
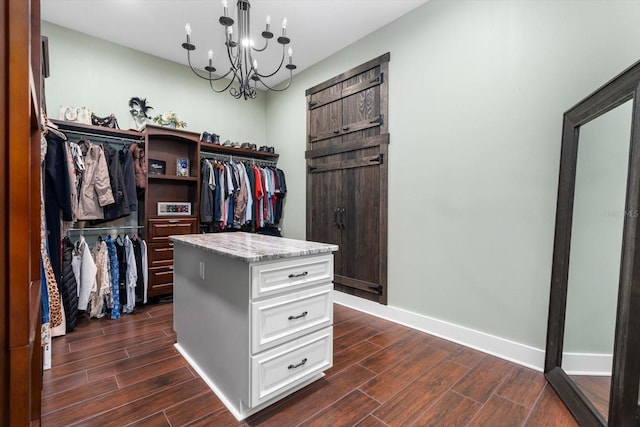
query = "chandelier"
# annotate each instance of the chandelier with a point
(240, 50)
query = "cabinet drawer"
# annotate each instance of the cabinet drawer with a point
(160, 254)
(276, 320)
(160, 279)
(285, 366)
(283, 276)
(161, 228)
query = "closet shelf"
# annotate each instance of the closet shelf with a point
(101, 130)
(231, 151)
(173, 178)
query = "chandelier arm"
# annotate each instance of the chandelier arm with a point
(266, 44)
(222, 90)
(194, 70)
(277, 69)
(209, 79)
(279, 90)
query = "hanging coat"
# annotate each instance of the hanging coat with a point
(120, 207)
(95, 188)
(68, 286)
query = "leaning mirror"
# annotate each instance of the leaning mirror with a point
(596, 248)
(593, 339)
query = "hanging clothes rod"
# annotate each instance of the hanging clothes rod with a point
(106, 138)
(117, 227)
(231, 158)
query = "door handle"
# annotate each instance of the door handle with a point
(335, 217)
(342, 211)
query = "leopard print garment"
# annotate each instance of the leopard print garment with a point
(55, 303)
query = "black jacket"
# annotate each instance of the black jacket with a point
(68, 286)
(57, 195)
(121, 207)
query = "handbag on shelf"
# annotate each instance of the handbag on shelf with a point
(70, 113)
(109, 121)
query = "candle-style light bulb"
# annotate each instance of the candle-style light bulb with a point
(268, 22)
(284, 24)
(210, 55)
(290, 56)
(255, 64)
(225, 5)
(187, 29)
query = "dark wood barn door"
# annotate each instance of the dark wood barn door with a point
(347, 175)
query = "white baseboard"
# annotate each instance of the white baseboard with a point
(587, 364)
(573, 363)
(505, 349)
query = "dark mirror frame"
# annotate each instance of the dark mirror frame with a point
(625, 378)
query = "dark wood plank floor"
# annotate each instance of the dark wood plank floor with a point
(127, 372)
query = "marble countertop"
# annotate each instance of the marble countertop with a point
(251, 247)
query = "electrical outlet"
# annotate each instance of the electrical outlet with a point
(202, 270)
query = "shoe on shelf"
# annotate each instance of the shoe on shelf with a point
(215, 138)
(235, 144)
(227, 143)
(206, 137)
(245, 146)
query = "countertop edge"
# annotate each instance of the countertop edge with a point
(318, 249)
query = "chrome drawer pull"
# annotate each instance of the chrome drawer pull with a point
(291, 276)
(304, 313)
(298, 365)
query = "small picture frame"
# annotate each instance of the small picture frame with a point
(174, 208)
(182, 166)
(157, 167)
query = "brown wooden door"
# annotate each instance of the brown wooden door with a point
(325, 214)
(20, 351)
(347, 173)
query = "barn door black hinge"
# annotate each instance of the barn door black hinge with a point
(379, 119)
(379, 79)
(379, 159)
(377, 288)
(312, 104)
(312, 168)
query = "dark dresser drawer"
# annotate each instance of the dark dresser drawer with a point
(160, 229)
(160, 254)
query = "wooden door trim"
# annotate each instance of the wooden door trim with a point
(348, 91)
(369, 142)
(355, 283)
(362, 162)
(348, 128)
(348, 74)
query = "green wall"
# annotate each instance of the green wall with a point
(476, 95)
(477, 92)
(86, 71)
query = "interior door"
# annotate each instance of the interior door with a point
(325, 215)
(347, 175)
(360, 213)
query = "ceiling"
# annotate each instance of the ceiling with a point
(317, 28)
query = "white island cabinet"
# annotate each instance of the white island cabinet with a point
(253, 314)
